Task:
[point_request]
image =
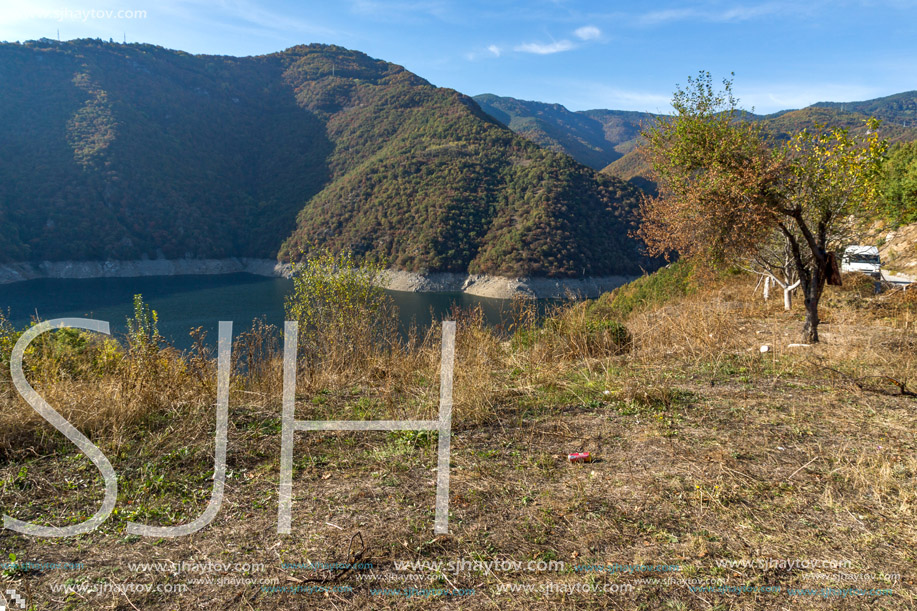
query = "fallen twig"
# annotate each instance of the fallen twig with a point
(902, 386)
(352, 560)
(802, 467)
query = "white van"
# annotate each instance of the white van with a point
(863, 259)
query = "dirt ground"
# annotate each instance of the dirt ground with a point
(723, 477)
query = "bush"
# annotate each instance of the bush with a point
(572, 333)
(8, 337)
(143, 329)
(899, 187)
(609, 332)
(67, 352)
(856, 287)
(344, 316)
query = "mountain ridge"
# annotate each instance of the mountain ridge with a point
(126, 152)
(610, 146)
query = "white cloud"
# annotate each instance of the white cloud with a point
(488, 53)
(587, 32)
(668, 15)
(728, 15)
(744, 13)
(544, 49)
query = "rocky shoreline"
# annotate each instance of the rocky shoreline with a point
(479, 285)
(500, 287)
(18, 272)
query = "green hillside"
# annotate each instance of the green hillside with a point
(779, 126)
(782, 125)
(611, 136)
(594, 137)
(621, 127)
(633, 168)
(900, 108)
(126, 151)
(129, 151)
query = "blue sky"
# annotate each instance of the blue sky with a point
(621, 55)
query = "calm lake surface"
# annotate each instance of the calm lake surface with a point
(185, 302)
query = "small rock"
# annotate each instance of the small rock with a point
(765, 348)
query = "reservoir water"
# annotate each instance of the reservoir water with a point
(185, 302)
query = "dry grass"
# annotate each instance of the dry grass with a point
(104, 393)
(707, 451)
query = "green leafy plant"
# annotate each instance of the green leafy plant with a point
(344, 316)
(143, 329)
(670, 282)
(8, 337)
(899, 185)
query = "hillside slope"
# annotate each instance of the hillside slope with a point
(900, 108)
(780, 127)
(131, 151)
(594, 136)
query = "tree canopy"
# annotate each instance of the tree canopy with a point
(899, 186)
(725, 190)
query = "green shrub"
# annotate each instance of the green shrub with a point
(899, 187)
(68, 352)
(344, 316)
(8, 337)
(611, 333)
(569, 333)
(143, 329)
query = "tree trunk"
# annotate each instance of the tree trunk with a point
(812, 277)
(813, 291)
(810, 329)
(788, 293)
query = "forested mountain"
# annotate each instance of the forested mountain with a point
(593, 136)
(117, 151)
(900, 108)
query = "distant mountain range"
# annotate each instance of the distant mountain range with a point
(592, 137)
(123, 152)
(605, 139)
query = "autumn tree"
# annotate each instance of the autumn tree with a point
(725, 190)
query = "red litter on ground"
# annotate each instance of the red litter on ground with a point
(579, 457)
